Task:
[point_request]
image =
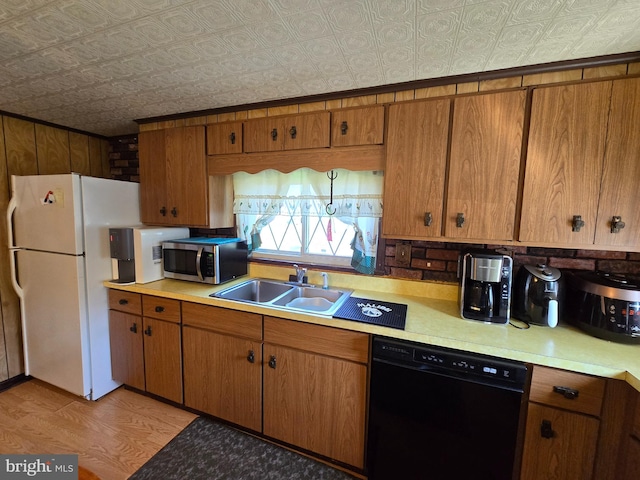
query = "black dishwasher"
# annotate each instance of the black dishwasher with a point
(438, 413)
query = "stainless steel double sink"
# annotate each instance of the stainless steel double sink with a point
(287, 296)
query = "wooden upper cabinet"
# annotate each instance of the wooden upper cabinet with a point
(564, 163)
(187, 180)
(20, 145)
(153, 177)
(620, 195)
(173, 177)
(486, 143)
(357, 126)
(224, 138)
(416, 157)
(289, 132)
(79, 153)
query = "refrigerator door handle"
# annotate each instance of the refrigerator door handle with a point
(12, 248)
(13, 204)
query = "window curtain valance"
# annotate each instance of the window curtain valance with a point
(355, 194)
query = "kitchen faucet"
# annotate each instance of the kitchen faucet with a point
(300, 273)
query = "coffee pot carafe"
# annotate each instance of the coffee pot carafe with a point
(485, 286)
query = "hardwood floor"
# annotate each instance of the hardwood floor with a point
(113, 436)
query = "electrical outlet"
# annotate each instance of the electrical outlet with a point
(403, 254)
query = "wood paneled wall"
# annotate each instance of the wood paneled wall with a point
(30, 148)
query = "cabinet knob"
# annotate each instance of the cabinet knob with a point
(174, 212)
(344, 127)
(566, 392)
(577, 223)
(251, 358)
(274, 134)
(272, 361)
(459, 220)
(428, 219)
(159, 309)
(134, 328)
(232, 138)
(545, 429)
(293, 132)
(123, 301)
(148, 331)
(163, 211)
(616, 224)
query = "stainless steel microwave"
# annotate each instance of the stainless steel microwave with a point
(205, 260)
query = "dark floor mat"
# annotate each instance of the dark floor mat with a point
(206, 449)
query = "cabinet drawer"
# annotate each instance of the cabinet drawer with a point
(161, 308)
(547, 385)
(334, 342)
(223, 320)
(125, 301)
(357, 126)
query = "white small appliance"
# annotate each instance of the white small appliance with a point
(147, 246)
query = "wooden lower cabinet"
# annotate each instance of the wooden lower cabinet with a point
(163, 359)
(223, 376)
(558, 444)
(146, 353)
(127, 357)
(315, 385)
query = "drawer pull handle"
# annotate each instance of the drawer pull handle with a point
(274, 134)
(566, 392)
(344, 126)
(148, 331)
(545, 429)
(123, 301)
(251, 358)
(134, 328)
(232, 138)
(159, 309)
(428, 219)
(272, 361)
(577, 223)
(293, 132)
(460, 220)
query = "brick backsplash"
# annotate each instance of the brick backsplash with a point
(123, 158)
(438, 261)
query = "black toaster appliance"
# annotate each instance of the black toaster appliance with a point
(604, 305)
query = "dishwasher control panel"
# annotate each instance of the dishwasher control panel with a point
(446, 361)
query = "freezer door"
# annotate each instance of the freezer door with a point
(48, 213)
(56, 329)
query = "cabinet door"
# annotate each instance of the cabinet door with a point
(564, 163)
(357, 126)
(569, 452)
(416, 160)
(315, 402)
(632, 460)
(162, 359)
(125, 338)
(484, 172)
(153, 177)
(307, 131)
(619, 195)
(264, 135)
(187, 180)
(224, 138)
(223, 376)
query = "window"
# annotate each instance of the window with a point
(287, 216)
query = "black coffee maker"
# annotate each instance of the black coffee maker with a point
(485, 286)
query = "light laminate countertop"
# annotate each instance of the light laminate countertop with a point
(433, 317)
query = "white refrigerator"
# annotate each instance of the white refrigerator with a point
(59, 257)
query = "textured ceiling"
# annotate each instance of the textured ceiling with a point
(95, 65)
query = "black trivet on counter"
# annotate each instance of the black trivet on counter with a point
(386, 314)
